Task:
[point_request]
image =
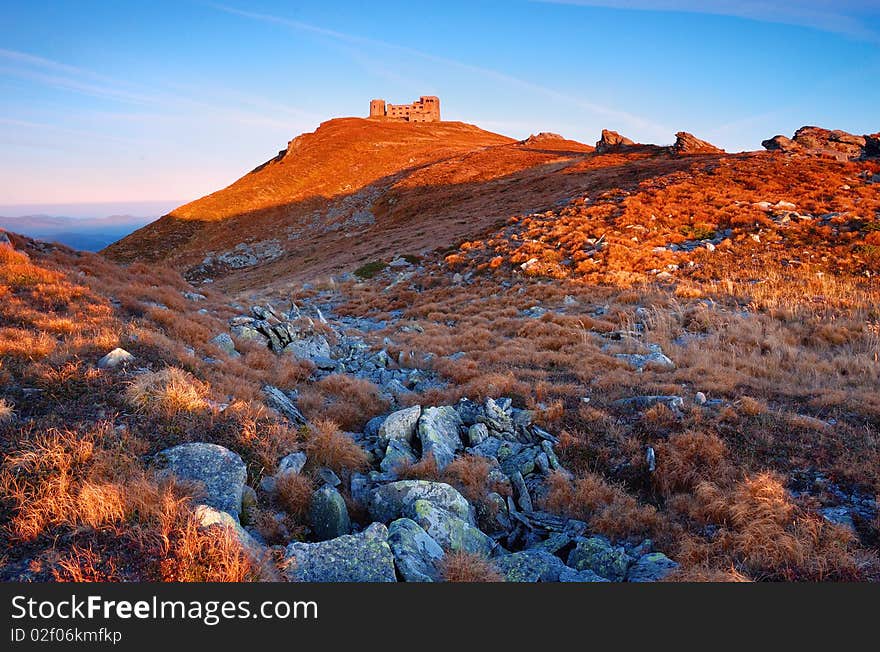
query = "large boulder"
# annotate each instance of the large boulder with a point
(598, 555)
(364, 557)
(872, 146)
(439, 434)
(397, 500)
(328, 514)
(530, 566)
(651, 567)
(416, 555)
(218, 470)
(686, 143)
(400, 425)
(611, 141)
(451, 532)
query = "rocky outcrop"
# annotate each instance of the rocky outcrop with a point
(686, 143)
(612, 141)
(416, 555)
(218, 470)
(837, 144)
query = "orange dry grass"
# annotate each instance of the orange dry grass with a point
(463, 566)
(608, 509)
(326, 445)
(294, 493)
(170, 391)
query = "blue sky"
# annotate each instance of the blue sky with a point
(168, 100)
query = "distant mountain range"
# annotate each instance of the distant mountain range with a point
(89, 234)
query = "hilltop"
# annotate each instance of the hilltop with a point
(440, 353)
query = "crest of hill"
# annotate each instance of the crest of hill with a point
(349, 190)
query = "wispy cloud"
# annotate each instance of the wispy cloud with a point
(223, 105)
(610, 113)
(846, 17)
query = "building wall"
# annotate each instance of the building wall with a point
(426, 109)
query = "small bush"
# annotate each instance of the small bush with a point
(369, 270)
(171, 391)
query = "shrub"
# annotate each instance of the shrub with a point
(369, 270)
(326, 445)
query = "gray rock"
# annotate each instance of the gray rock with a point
(310, 348)
(495, 417)
(364, 557)
(218, 469)
(451, 532)
(398, 454)
(212, 519)
(477, 434)
(371, 429)
(397, 500)
(645, 402)
(224, 342)
(571, 575)
(248, 333)
(416, 554)
(522, 462)
(467, 411)
(839, 515)
(597, 554)
(328, 476)
(438, 431)
(523, 499)
(115, 358)
(328, 514)
(294, 462)
(278, 401)
(400, 425)
(655, 359)
(651, 567)
(530, 566)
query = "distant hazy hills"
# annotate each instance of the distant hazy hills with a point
(89, 234)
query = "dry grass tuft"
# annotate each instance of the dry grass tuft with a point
(326, 445)
(463, 566)
(293, 492)
(170, 391)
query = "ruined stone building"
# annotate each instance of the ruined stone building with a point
(427, 109)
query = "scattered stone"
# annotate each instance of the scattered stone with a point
(477, 434)
(400, 425)
(416, 554)
(398, 454)
(655, 359)
(651, 567)
(571, 575)
(328, 515)
(328, 477)
(278, 401)
(598, 555)
(292, 463)
(364, 557)
(451, 532)
(224, 342)
(700, 398)
(115, 358)
(438, 429)
(218, 469)
(530, 566)
(644, 402)
(397, 499)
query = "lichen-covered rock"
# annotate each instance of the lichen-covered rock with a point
(451, 532)
(438, 431)
(522, 462)
(364, 557)
(572, 575)
(397, 500)
(281, 403)
(224, 342)
(294, 462)
(115, 358)
(598, 555)
(218, 469)
(477, 434)
(211, 519)
(530, 566)
(416, 554)
(651, 567)
(400, 425)
(398, 454)
(495, 418)
(328, 514)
